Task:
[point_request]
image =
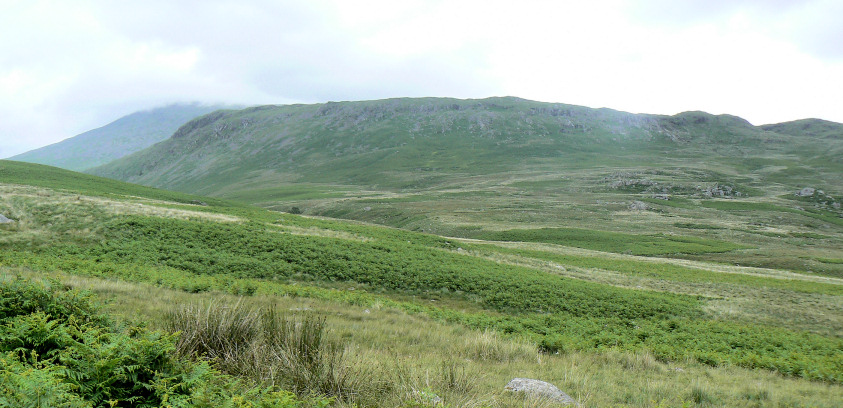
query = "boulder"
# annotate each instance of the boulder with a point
(540, 389)
(806, 192)
(4, 220)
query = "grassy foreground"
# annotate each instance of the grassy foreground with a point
(609, 329)
(414, 353)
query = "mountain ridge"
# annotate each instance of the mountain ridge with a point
(343, 129)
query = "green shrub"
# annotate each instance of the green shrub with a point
(58, 350)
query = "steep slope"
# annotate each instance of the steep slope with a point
(126, 135)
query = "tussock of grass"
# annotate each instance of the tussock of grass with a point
(269, 347)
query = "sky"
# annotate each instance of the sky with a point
(70, 66)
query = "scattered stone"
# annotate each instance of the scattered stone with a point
(367, 208)
(540, 389)
(197, 202)
(665, 197)
(4, 220)
(836, 205)
(638, 205)
(806, 192)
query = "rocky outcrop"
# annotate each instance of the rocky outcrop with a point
(540, 389)
(4, 220)
(719, 190)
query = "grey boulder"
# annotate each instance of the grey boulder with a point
(540, 389)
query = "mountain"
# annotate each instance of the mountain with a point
(402, 145)
(415, 143)
(493, 168)
(126, 135)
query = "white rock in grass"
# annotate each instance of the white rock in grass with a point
(4, 220)
(540, 389)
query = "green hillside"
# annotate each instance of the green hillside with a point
(481, 168)
(38, 175)
(124, 136)
(403, 144)
(396, 307)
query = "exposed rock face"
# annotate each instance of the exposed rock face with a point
(806, 192)
(540, 389)
(4, 220)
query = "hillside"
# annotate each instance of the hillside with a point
(420, 143)
(808, 127)
(126, 135)
(494, 167)
(609, 329)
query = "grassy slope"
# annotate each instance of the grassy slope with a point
(124, 136)
(477, 168)
(12, 172)
(774, 320)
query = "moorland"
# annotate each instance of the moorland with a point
(421, 252)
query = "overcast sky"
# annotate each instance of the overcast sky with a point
(70, 66)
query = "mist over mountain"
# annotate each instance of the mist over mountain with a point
(124, 136)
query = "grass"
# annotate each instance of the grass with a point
(448, 166)
(409, 351)
(825, 216)
(509, 305)
(58, 349)
(273, 347)
(37, 175)
(614, 241)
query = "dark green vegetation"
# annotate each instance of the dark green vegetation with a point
(124, 136)
(57, 349)
(475, 168)
(250, 251)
